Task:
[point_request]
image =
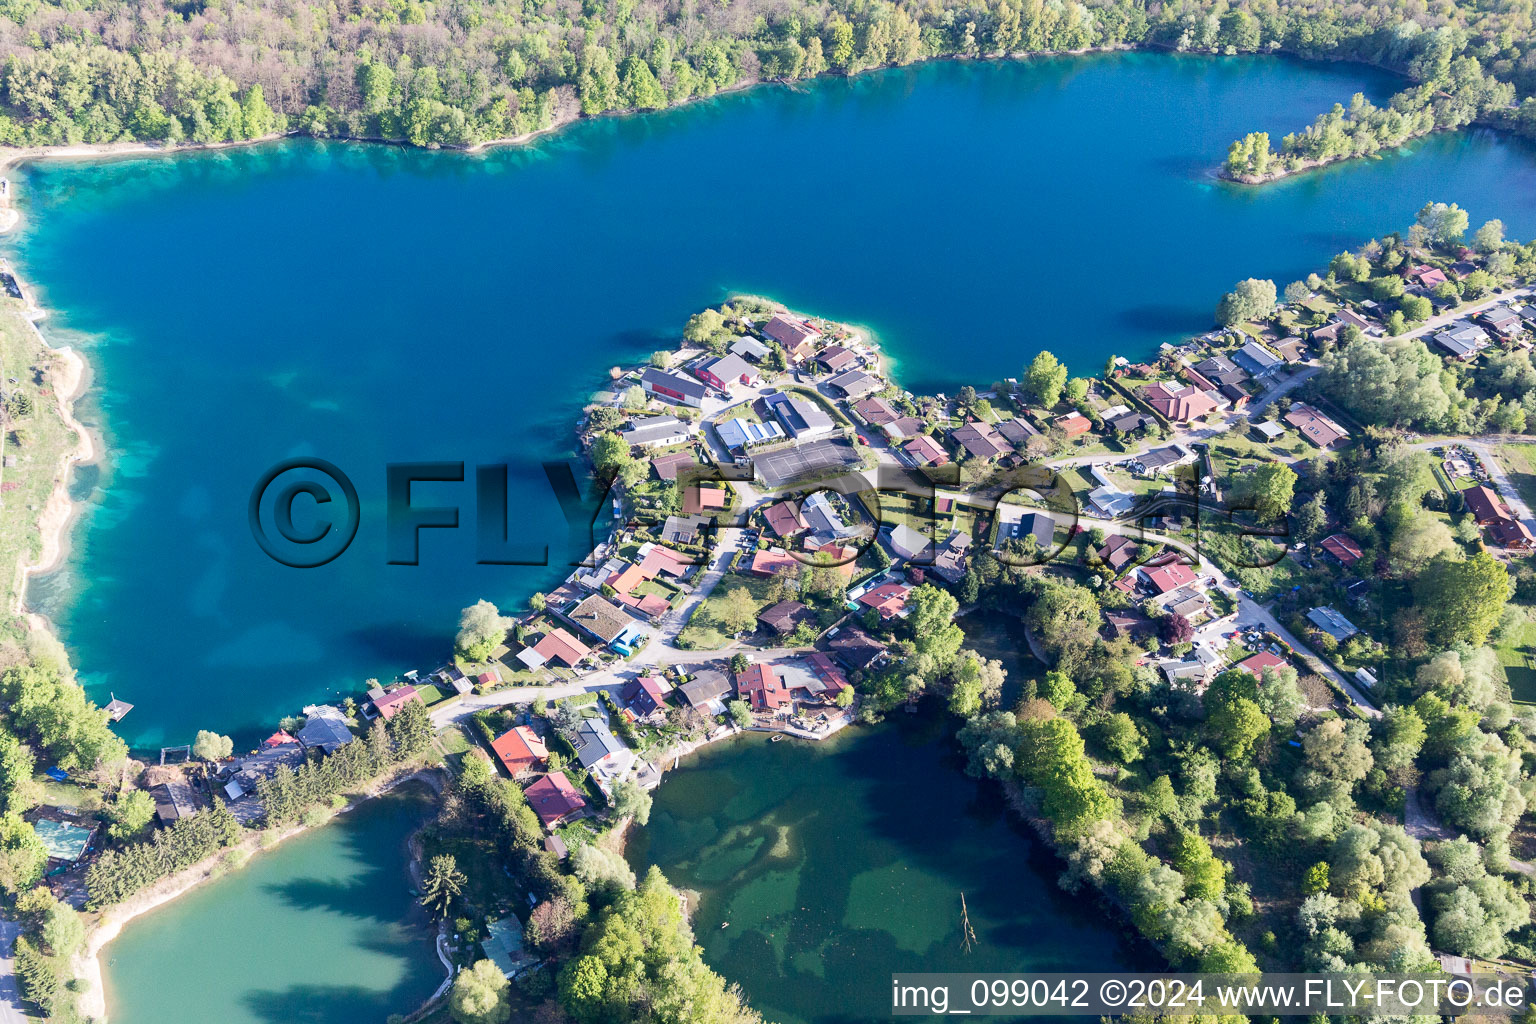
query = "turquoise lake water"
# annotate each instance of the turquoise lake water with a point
(371, 305)
(323, 928)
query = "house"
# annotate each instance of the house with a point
(1261, 661)
(555, 799)
(520, 750)
(1269, 430)
(821, 518)
(698, 498)
(818, 677)
(981, 440)
(1074, 424)
(1168, 578)
(1259, 361)
(771, 561)
(801, 417)
(1314, 426)
(1220, 370)
(1178, 404)
(1485, 504)
(596, 745)
(1118, 552)
(1502, 321)
(673, 387)
(1178, 671)
(556, 645)
(325, 728)
(877, 412)
(1528, 314)
(1110, 501)
(836, 359)
(389, 705)
(950, 561)
(925, 451)
(668, 467)
(1428, 278)
(1343, 549)
(739, 435)
(1235, 395)
(749, 348)
(174, 798)
(855, 383)
(704, 691)
(1291, 349)
(505, 947)
(1129, 622)
(798, 338)
(1188, 603)
(783, 518)
(683, 529)
(1511, 533)
(1328, 619)
(727, 371)
(656, 432)
(1014, 523)
(763, 689)
(1461, 340)
(645, 696)
(906, 426)
(1355, 320)
(1162, 460)
(856, 649)
(1129, 422)
(1016, 431)
(602, 618)
(888, 599)
(906, 542)
(784, 617)
(1198, 379)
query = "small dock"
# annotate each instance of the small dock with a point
(117, 710)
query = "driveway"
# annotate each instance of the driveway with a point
(10, 997)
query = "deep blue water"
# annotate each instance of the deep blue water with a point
(370, 305)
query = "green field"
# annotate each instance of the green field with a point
(1517, 653)
(1517, 461)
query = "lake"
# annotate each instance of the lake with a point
(371, 306)
(837, 864)
(323, 928)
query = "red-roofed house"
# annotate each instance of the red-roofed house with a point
(652, 606)
(889, 599)
(558, 645)
(554, 799)
(1074, 424)
(798, 338)
(645, 696)
(1261, 661)
(761, 686)
(1511, 533)
(698, 498)
(784, 519)
(628, 579)
(1485, 504)
(520, 750)
(390, 704)
(827, 670)
(1343, 548)
(278, 739)
(1178, 404)
(926, 451)
(772, 560)
(1169, 578)
(660, 560)
(1427, 277)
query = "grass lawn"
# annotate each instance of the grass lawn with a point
(430, 694)
(1517, 653)
(1519, 464)
(704, 631)
(487, 889)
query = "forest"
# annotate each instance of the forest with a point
(467, 71)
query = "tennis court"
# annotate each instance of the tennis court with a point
(803, 461)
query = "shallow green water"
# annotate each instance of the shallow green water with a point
(371, 305)
(838, 864)
(323, 928)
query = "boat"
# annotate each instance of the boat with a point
(776, 737)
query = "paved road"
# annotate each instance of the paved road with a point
(10, 998)
(1285, 387)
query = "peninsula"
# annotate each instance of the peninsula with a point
(1276, 580)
